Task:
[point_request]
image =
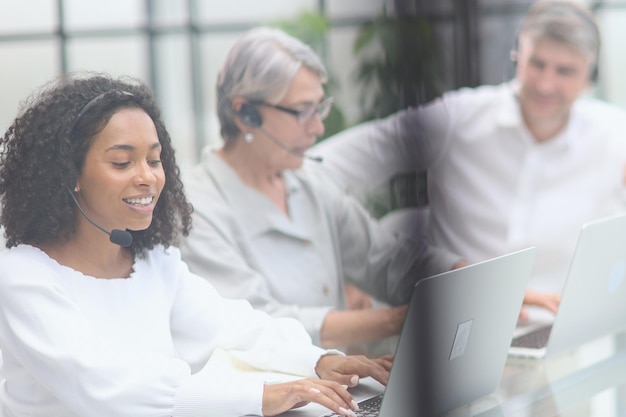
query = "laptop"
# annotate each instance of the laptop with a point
(455, 339)
(592, 300)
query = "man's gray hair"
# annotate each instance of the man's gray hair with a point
(567, 22)
(261, 66)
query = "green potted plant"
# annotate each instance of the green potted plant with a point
(399, 67)
(399, 64)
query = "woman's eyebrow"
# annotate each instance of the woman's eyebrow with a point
(123, 147)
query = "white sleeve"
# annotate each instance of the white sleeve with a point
(373, 152)
(272, 344)
(44, 330)
(251, 336)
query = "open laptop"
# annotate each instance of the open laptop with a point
(456, 336)
(593, 301)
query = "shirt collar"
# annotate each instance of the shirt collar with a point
(253, 210)
(508, 111)
(510, 116)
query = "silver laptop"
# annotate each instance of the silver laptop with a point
(593, 298)
(456, 337)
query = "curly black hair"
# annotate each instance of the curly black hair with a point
(43, 151)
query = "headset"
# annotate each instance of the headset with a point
(119, 237)
(250, 115)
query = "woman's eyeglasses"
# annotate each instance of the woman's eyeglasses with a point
(305, 114)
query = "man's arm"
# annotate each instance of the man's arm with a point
(371, 153)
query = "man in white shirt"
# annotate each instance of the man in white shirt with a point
(509, 166)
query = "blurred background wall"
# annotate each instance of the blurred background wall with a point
(177, 46)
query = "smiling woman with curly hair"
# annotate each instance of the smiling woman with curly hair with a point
(44, 149)
(99, 325)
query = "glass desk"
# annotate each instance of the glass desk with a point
(587, 382)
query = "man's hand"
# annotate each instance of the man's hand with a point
(547, 300)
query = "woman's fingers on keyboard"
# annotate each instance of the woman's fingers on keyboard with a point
(335, 397)
(281, 397)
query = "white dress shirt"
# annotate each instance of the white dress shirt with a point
(493, 188)
(74, 345)
(296, 266)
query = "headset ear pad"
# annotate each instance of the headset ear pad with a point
(250, 116)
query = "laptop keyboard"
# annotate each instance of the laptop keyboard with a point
(368, 408)
(536, 339)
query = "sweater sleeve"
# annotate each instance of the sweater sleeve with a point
(62, 363)
(278, 345)
(66, 363)
(266, 343)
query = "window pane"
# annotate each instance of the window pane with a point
(169, 12)
(117, 56)
(510, 4)
(214, 48)
(342, 65)
(499, 32)
(252, 11)
(174, 91)
(96, 14)
(31, 65)
(355, 8)
(612, 64)
(18, 16)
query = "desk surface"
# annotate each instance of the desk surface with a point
(588, 382)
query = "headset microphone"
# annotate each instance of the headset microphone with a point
(119, 237)
(250, 116)
(289, 150)
(315, 158)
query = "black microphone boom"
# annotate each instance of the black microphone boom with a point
(289, 150)
(119, 237)
(315, 158)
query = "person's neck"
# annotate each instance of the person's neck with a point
(253, 171)
(543, 131)
(91, 253)
(257, 174)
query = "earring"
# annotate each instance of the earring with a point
(76, 189)
(248, 137)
